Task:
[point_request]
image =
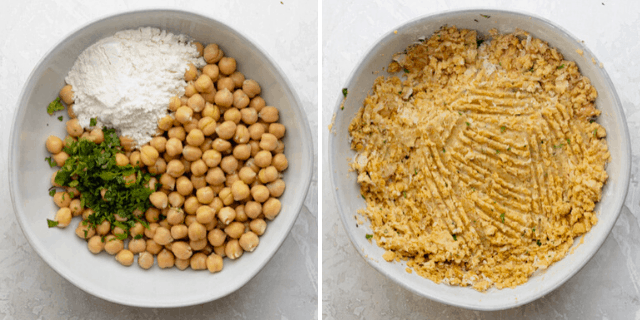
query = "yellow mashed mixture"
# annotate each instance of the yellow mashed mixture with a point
(484, 163)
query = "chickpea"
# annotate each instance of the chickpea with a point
(280, 162)
(263, 159)
(95, 244)
(216, 237)
(216, 204)
(260, 193)
(225, 83)
(177, 132)
(205, 195)
(182, 264)
(249, 241)
(175, 216)
(76, 207)
(226, 130)
(179, 231)
(220, 250)
(229, 164)
(103, 228)
(86, 213)
(191, 72)
(126, 143)
(211, 111)
(258, 226)
(231, 178)
(197, 231)
(153, 247)
(149, 155)
(205, 214)
(121, 160)
(60, 158)
(241, 215)
(189, 90)
(162, 236)
(174, 103)
(168, 182)
(117, 231)
(240, 190)
(137, 245)
(247, 175)
(135, 159)
(166, 259)
(62, 199)
(269, 114)
(190, 219)
(198, 261)
(72, 115)
(53, 180)
(234, 230)
(54, 144)
(268, 174)
(145, 260)
(206, 144)
(181, 250)
(257, 103)
(227, 65)
(73, 192)
(212, 53)
(249, 116)
(211, 158)
(240, 99)
(125, 257)
(198, 181)
(224, 98)
(184, 186)
(191, 205)
(196, 102)
(212, 71)
(66, 94)
(165, 123)
(204, 84)
(251, 88)
(198, 244)
(159, 167)
(253, 209)
(242, 135)
(276, 188)
(271, 208)
(84, 230)
(238, 78)
(159, 143)
(113, 245)
(233, 249)
(195, 137)
(214, 263)
(184, 114)
(191, 153)
(198, 168)
(73, 128)
(226, 196)
(173, 147)
(226, 215)
(280, 148)
(233, 114)
(268, 142)
(221, 145)
(175, 168)
(207, 126)
(200, 48)
(256, 131)
(217, 188)
(242, 151)
(159, 199)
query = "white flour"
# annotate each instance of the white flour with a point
(126, 80)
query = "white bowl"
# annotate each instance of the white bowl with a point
(101, 275)
(347, 191)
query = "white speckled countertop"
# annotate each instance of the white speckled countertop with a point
(608, 287)
(285, 289)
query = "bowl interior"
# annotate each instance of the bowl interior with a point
(348, 197)
(100, 274)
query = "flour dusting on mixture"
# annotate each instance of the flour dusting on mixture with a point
(125, 81)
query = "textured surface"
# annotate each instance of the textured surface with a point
(606, 288)
(286, 288)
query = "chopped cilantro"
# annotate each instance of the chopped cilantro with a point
(443, 150)
(344, 92)
(52, 162)
(591, 121)
(54, 106)
(362, 195)
(52, 223)
(485, 16)
(595, 133)
(455, 238)
(139, 236)
(468, 124)
(533, 229)
(531, 70)
(85, 233)
(568, 141)
(121, 236)
(93, 122)
(52, 192)
(416, 172)
(406, 70)
(558, 146)
(479, 42)
(497, 151)
(503, 129)
(538, 243)
(509, 148)
(561, 66)
(368, 236)
(502, 217)
(404, 193)
(60, 118)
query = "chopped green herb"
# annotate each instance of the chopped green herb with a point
(526, 252)
(384, 141)
(479, 42)
(52, 223)
(404, 193)
(485, 16)
(54, 106)
(342, 108)
(538, 243)
(138, 236)
(561, 66)
(497, 151)
(509, 148)
(52, 163)
(362, 195)
(531, 70)
(121, 236)
(502, 217)
(541, 141)
(595, 133)
(406, 70)
(368, 236)
(344, 92)
(503, 129)
(93, 122)
(416, 172)
(591, 121)
(85, 233)
(443, 150)
(52, 192)
(558, 146)
(468, 124)
(460, 113)
(455, 238)
(533, 229)
(60, 118)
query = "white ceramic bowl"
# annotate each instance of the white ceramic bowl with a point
(101, 275)
(348, 197)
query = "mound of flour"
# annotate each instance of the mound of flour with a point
(125, 81)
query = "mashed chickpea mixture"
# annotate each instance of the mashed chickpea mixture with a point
(484, 163)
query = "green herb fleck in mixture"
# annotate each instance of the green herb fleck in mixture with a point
(52, 223)
(345, 92)
(93, 122)
(54, 106)
(368, 236)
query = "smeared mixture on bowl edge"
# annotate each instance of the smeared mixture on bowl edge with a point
(485, 163)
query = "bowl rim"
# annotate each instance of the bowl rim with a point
(624, 170)
(296, 205)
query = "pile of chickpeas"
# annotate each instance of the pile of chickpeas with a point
(219, 157)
